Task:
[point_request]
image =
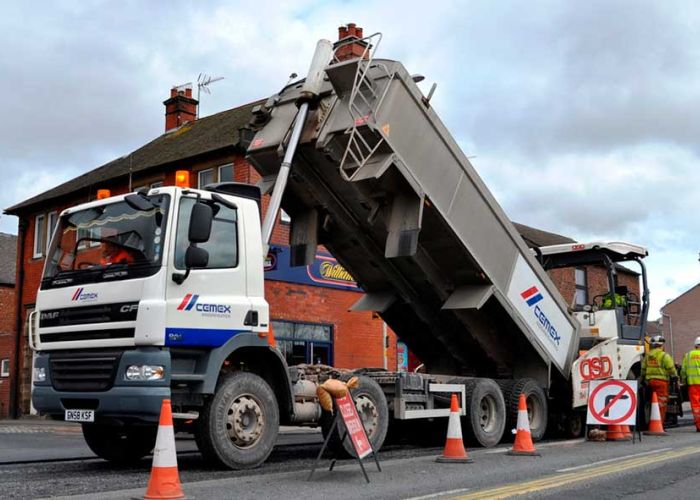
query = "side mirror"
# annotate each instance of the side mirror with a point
(200, 224)
(196, 257)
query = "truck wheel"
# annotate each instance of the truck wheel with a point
(238, 425)
(374, 412)
(123, 445)
(537, 407)
(485, 411)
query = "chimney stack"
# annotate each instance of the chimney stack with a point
(353, 50)
(180, 108)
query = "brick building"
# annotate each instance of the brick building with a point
(308, 307)
(8, 260)
(680, 322)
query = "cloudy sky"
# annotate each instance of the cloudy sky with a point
(582, 117)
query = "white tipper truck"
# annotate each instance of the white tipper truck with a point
(160, 294)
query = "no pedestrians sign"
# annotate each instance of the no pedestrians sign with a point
(612, 402)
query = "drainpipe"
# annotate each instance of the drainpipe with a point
(19, 282)
(670, 332)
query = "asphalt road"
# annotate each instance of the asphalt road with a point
(657, 467)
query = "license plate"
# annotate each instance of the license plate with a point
(80, 415)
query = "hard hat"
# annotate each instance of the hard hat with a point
(697, 341)
(657, 340)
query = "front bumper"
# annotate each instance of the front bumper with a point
(121, 403)
(122, 400)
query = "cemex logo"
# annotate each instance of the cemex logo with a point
(191, 301)
(532, 296)
(81, 295)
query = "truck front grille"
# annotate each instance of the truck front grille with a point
(117, 333)
(103, 313)
(82, 372)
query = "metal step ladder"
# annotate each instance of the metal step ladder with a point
(364, 138)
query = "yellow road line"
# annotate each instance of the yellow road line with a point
(557, 480)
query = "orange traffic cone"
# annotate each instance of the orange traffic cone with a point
(165, 479)
(454, 446)
(523, 439)
(656, 427)
(616, 433)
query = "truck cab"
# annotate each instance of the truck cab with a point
(611, 344)
(150, 296)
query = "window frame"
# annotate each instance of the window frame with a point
(330, 343)
(185, 230)
(5, 367)
(49, 229)
(581, 287)
(204, 171)
(39, 250)
(233, 171)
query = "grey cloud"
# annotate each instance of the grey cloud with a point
(554, 98)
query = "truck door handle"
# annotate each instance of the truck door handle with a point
(251, 318)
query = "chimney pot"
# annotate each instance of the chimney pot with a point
(355, 48)
(180, 108)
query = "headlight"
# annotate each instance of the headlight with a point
(40, 374)
(145, 372)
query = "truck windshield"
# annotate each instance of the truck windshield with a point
(115, 241)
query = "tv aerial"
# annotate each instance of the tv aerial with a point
(203, 82)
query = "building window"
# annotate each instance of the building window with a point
(205, 177)
(5, 368)
(304, 342)
(226, 173)
(39, 236)
(52, 218)
(88, 237)
(581, 294)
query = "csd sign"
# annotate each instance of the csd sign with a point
(594, 368)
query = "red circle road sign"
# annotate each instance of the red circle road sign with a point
(599, 414)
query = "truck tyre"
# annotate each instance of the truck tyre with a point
(122, 445)
(485, 412)
(238, 426)
(537, 407)
(374, 412)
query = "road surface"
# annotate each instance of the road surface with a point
(660, 466)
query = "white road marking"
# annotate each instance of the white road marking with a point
(440, 494)
(542, 445)
(600, 462)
